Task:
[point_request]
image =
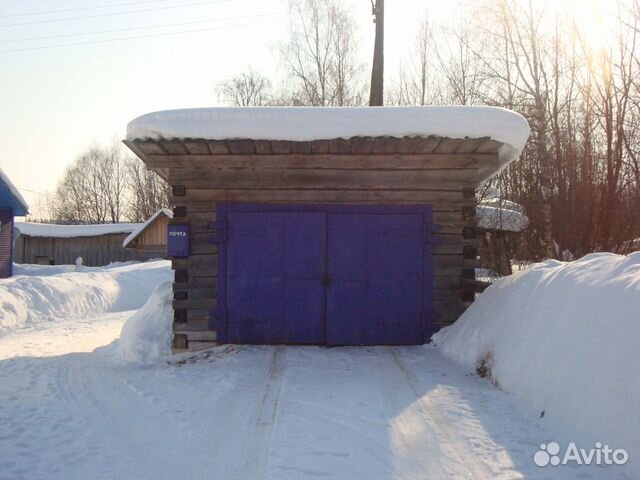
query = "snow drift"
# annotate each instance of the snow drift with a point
(40, 294)
(146, 336)
(564, 338)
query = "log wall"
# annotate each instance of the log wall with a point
(434, 171)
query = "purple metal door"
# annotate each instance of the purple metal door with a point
(274, 277)
(320, 274)
(376, 271)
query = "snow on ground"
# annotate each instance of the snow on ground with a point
(38, 294)
(563, 337)
(72, 408)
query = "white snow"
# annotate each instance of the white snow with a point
(38, 294)
(501, 215)
(313, 123)
(33, 229)
(15, 193)
(135, 233)
(71, 407)
(563, 337)
(146, 336)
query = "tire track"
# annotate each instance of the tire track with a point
(475, 469)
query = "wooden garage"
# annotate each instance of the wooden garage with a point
(330, 226)
(12, 205)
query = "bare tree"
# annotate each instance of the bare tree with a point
(94, 188)
(148, 192)
(321, 56)
(246, 89)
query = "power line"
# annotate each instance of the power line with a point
(35, 191)
(79, 34)
(112, 14)
(67, 10)
(135, 37)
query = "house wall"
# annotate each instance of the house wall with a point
(95, 251)
(152, 243)
(6, 242)
(431, 171)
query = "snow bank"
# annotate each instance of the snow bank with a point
(41, 294)
(564, 338)
(146, 336)
(314, 123)
(67, 231)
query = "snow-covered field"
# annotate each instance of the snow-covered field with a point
(72, 406)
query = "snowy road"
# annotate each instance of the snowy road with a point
(279, 413)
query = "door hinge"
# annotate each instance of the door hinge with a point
(430, 229)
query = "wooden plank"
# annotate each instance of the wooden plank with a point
(263, 146)
(407, 145)
(218, 147)
(340, 145)
(195, 292)
(448, 248)
(447, 145)
(281, 147)
(150, 147)
(192, 326)
(326, 179)
(362, 145)
(489, 146)
(470, 145)
(199, 346)
(301, 147)
(174, 147)
(425, 161)
(427, 145)
(194, 264)
(320, 146)
(201, 336)
(452, 200)
(197, 283)
(197, 147)
(196, 303)
(385, 145)
(241, 146)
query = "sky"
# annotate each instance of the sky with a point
(75, 72)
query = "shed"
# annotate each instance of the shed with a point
(499, 222)
(52, 244)
(12, 205)
(328, 226)
(150, 239)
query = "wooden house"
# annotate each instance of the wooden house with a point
(329, 226)
(12, 205)
(150, 239)
(51, 244)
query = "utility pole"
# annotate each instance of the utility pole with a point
(377, 72)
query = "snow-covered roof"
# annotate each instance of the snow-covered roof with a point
(10, 196)
(143, 226)
(497, 214)
(318, 123)
(67, 231)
